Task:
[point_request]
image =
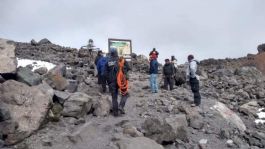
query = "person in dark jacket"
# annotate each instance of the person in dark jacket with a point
(153, 74)
(111, 72)
(101, 64)
(100, 55)
(168, 73)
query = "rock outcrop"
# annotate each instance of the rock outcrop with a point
(7, 56)
(25, 110)
(77, 105)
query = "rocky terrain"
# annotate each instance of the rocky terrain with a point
(63, 108)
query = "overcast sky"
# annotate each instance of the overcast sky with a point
(205, 28)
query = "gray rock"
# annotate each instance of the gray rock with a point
(41, 70)
(138, 143)
(223, 72)
(47, 141)
(86, 131)
(33, 42)
(261, 48)
(102, 106)
(44, 41)
(83, 53)
(249, 108)
(61, 96)
(7, 56)
(80, 121)
(28, 107)
(2, 143)
(27, 76)
(4, 112)
(168, 130)
(78, 105)
(8, 128)
(230, 144)
(72, 86)
(2, 80)
(55, 112)
(59, 69)
(132, 131)
(203, 143)
(251, 72)
(230, 116)
(196, 121)
(55, 78)
(46, 89)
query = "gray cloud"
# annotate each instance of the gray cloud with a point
(209, 28)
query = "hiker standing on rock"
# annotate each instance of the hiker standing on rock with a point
(101, 64)
(99, 56)
(193, 79)
(168, 74)
(153, 73)
(117, 75)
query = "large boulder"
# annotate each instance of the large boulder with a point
(55, 78)
(261, 48)
(27, 106)
(102, 106)
(25, 75)
(33, 42)
(249, 108)
(83, 53)
(195, 120)
(138, 143)
(61, 96)
(77, 105)
(230, 116)
(41, 70)
(166, 130)
(44, 41)
(140, 63)
(250, 72)
(7, 56)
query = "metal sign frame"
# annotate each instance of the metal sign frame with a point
(126, 56)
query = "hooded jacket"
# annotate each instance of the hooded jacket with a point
(112, 67)
(168, 69)
(192, 69)
(153, 66)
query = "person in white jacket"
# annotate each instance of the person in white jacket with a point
(193, 79)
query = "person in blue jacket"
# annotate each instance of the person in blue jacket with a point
(153, 74)
(101, 66)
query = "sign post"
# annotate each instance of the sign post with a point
(123, 47)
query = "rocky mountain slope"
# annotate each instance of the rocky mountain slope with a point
(63, 108)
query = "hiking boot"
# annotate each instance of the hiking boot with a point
(115, 113)
(121, 110)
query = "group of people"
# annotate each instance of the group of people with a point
(113, 71)
(169, 73)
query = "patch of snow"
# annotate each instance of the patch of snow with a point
(261, 109)
(35, 63)
(259, 121)
(261, 116)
